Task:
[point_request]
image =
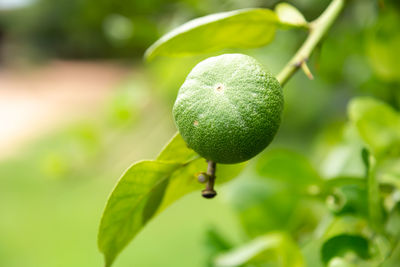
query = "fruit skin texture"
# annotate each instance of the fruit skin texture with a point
(229, 108)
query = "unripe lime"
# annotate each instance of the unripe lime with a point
(229, 108)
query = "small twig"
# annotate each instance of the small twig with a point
(209, 191)
(306, 70)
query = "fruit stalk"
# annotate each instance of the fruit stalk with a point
(209, 192)
(318, 29)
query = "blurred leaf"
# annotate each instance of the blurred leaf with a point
(389, 172)
(341, 244)
(146, 189)
(394, 259)
(378, 125)
(366, 159)
(393, 222)
(383, 46)
(289, 167)
(330, 184)
(289, 15)
(340, 262)
(264, 206)
(329, 227)
(274, 188)
(343, 160)
(274, 247)
(353, 238)
(347, 224)
(348, 194)
(345, 237)
(349, 199)
(215, 241)
(244, 28)
(215, 244)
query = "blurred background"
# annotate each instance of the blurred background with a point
(78, 105)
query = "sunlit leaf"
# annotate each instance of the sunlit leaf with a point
(244, 28)
(184, 180)
(276, 247)
(378, 125)
(123, 215)
(147, 188)
(289, 15)
(176, 150)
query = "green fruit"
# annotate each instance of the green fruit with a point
(229, 108)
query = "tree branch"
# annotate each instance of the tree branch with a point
(318, 28)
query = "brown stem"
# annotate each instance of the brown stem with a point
(209, 192)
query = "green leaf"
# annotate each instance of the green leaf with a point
(147, 188)
(331, 184)
(274, 247)
(382, 46)
(215, 244)
(392, 228)
(263, 206)
(377, 124)
(176, 150)
(335, 240)
(339, 245)
(349, 199)
(393, 222)
(340, 262)
(244, 28)
(274, 190)
(290, 16)
(365, 155)
(389, 172)
(345, 159)
(288, 166)
(184, 180)
(124, 213)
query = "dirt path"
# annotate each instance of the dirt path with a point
(36, 101)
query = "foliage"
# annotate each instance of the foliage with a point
(147, 188)
(326, 193)
(240, 28)
(340, 218)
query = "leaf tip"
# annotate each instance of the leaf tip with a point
(148, 54)
(109, 259)
(290, 15)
